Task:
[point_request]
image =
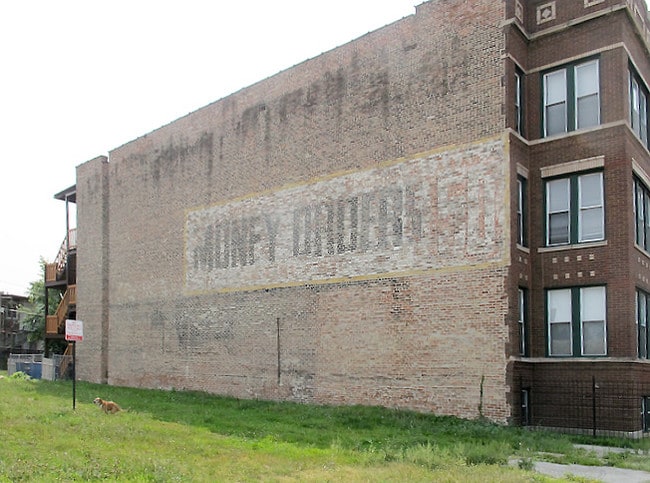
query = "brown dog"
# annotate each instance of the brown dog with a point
(107, 406)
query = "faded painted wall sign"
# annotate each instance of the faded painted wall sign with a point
(442, 209)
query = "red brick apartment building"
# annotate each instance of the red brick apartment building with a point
(449, 214)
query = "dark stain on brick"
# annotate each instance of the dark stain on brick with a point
(335, 87)
(250, 118)
(290, 103)
(169, 159)
(313, 94)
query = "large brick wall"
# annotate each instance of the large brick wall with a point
(336, 233)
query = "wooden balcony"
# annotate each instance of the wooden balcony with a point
(54, 271)
(51, 325)
(50, 272)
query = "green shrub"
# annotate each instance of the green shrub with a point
(20, 375)
(489, 453)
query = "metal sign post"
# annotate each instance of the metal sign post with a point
(74, 331)
(74, 375)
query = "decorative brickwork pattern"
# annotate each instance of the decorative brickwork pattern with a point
(546, 13)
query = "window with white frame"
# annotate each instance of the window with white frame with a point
(519, 105)
(575, 209)
(587, 88)
(576, 321)
(522, 238)
(642, 305)
(639, 107)
(523, 322)
(641, 214)
(571, 98)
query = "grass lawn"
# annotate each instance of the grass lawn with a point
(190, 436)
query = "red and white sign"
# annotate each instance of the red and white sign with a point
(74, 330)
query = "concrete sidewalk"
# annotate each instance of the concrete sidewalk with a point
(606, 474)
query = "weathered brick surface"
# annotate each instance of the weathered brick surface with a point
(343, 232)
(381, 169)
(91, 293)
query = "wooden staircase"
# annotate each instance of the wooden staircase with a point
(55, 324)
(66, 361)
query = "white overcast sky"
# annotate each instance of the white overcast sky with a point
(81, 77)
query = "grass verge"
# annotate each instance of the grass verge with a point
(190, 436)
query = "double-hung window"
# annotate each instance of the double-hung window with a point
(571, 98)
(519, 104)
(642, 305)
(576, 321)
(575, 210)
(641, 214)
(639, 107)
(522, 228)
(523, 322)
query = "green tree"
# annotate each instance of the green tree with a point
(33, 313)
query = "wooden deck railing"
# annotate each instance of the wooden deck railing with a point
(51, 324)
(55, 323)
(50, 272)
(53, 270)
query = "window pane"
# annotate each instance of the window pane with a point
(643, 332)
(634, 105)
(558, 228)
(591, 190)
(591, 224)
(561, 339)
(555, 119)
(588, 113)
(587, 79)
(592, 303)
(593, 338)
(555, 87)
(558, 195)
(639, 207)
(522, 324)
(643, 117)
(555, 102)
(559, 305)
(518, 102)
(646, 218)
(642, 315)
(587, 95)
(642, 309)
(521, 221)
(592, 314)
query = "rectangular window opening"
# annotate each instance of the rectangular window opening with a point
(575, 209)
(576, 319)
(571, 98)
